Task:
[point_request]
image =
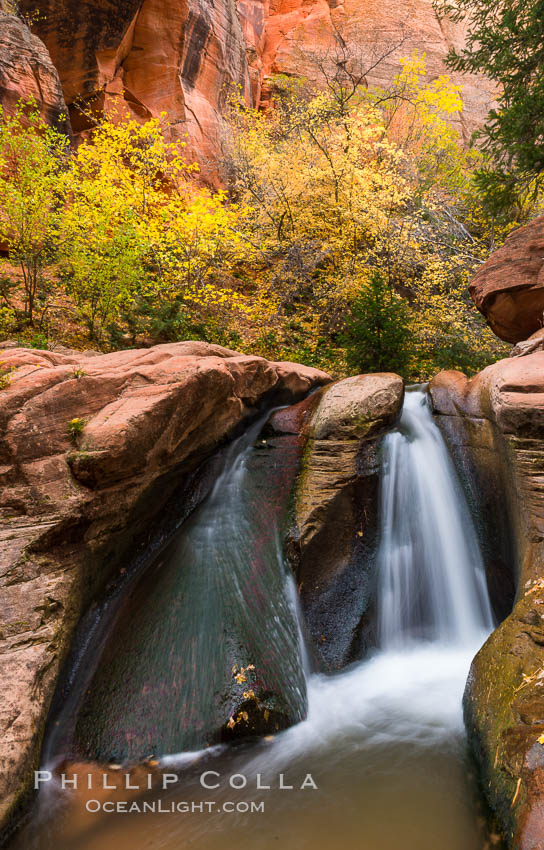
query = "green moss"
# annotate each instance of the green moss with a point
(502, 685)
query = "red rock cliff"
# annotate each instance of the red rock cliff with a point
(176, 56)
(180, 55)
(26, 70)
(299, 32)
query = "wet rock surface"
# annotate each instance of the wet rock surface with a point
(336, 513)
(204, 647)
(75, 501)
(500, 417)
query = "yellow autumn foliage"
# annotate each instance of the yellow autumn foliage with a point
(141, 236)
(340, 193)
(328, 203)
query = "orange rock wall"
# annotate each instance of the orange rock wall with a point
(26, 70)
(299, 31)
(180, 56)
(177, 57)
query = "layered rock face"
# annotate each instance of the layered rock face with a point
(76, 497)
(336, 510)
(299, 39)
(509, 288)
(182, 56)
(26, 71)
(156, 55)
(499, 419)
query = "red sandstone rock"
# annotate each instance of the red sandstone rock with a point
(499, 425)
(299, 32)
(181, 57)
(509, 288)
(70, 507)
(26, 71)
(293, 419)
(164, 55)
(509, 393)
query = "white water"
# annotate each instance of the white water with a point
(384, 739)
(431, 575)
(433, 608)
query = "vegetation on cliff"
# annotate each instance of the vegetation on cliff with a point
(505, 42)
(114, 234)
(341, 206)
(346, 184)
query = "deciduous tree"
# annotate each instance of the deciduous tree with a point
(33, 157)
(505, 42)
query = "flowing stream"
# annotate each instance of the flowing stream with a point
(383, 740)
(217, 598)
(431, 577)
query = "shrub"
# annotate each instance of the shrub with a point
(75, 428)
(377, 336)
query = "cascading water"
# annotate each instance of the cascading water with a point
(431, 575)
(214, 600)
(384, 739)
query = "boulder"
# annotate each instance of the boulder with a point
(499, 420)
(26, 71)
(509, 288)
(91, 449)
(336, 512)
(509, 394)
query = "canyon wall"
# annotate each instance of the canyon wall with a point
(156, 55)
(182, 56)
(494, 424)
(26, 71)
(299, 36)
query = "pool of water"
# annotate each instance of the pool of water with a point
(383, 742)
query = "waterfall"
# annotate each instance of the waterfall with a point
(383, 739)
(218, 597)
(433, 615)
(431, 577)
